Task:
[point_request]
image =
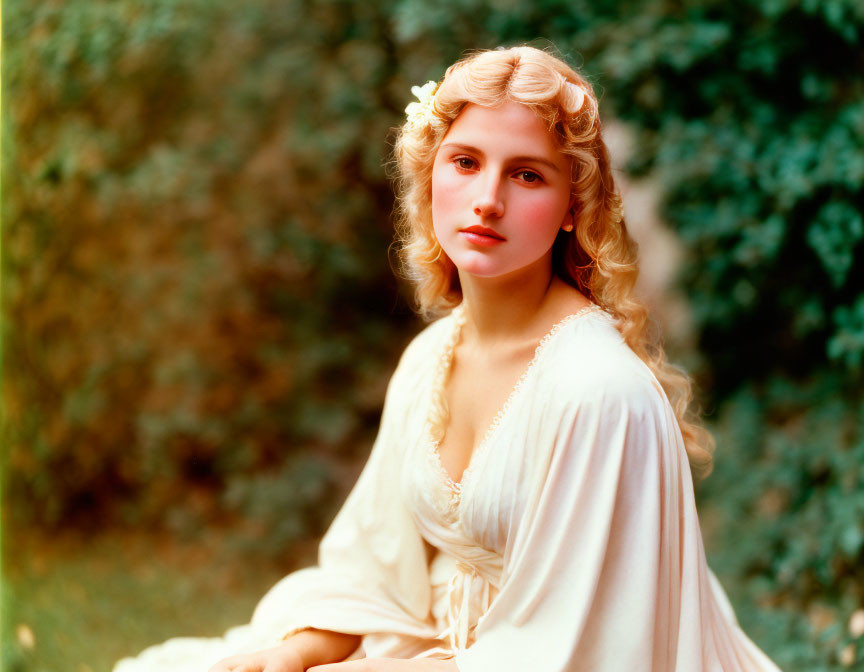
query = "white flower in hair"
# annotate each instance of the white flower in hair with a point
(422, 112)
(577, 97)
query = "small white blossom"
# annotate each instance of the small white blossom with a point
(578, 94)
(423, 111)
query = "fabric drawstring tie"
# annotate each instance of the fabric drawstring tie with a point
(465, 585)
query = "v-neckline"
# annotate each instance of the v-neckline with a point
(445, 360)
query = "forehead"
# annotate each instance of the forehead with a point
(510, 126)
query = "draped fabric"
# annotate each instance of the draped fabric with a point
(572, 542)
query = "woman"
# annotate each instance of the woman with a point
(528, 503)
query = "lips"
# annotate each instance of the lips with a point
(483, 231)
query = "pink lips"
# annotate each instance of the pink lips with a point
(480, 235)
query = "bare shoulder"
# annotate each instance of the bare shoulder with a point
(564, 300)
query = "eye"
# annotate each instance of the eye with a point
(464, 162)
(529, 176)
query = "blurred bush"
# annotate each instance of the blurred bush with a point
(197, 284)
(198, 297)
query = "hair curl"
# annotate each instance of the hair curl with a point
(600, 260)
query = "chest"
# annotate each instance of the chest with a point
(476, 391)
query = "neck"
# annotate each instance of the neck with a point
(497, 309)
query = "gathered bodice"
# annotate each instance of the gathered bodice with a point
(467, 523)
(464, 575)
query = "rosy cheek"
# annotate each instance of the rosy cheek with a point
(539, 214)
(445, 190)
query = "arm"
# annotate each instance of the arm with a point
(300, 651)
(389, 665)
(317, 647)
(608, 570)
(372, 574)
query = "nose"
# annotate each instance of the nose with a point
(488, 202)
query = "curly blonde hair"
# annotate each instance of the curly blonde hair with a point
(600, 260)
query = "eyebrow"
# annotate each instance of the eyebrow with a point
(515, 159)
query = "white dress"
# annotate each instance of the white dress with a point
(572, 543)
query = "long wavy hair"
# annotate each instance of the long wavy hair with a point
(599, 258)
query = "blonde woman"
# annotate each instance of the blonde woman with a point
(528, 503)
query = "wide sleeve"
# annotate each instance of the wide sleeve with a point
(371, 578)
(372, 573)
(608, 572)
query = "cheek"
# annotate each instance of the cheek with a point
(540, 215)
(445, 192)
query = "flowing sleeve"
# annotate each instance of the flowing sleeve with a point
(608, 571)
(372, 573)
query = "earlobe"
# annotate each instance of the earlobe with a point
(571, 212)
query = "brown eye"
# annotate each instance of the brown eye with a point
(530, 177)
(465, 163)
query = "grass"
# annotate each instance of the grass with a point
(81, 604)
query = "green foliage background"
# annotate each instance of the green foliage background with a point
(199, 314)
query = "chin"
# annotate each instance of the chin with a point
(491, 268)
(488, 270)
(480, 266)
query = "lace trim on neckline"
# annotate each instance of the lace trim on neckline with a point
(445, 362)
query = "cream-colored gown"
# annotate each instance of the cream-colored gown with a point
(572, 544)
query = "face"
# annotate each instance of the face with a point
(500, 191)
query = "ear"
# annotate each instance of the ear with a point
(569, 216)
